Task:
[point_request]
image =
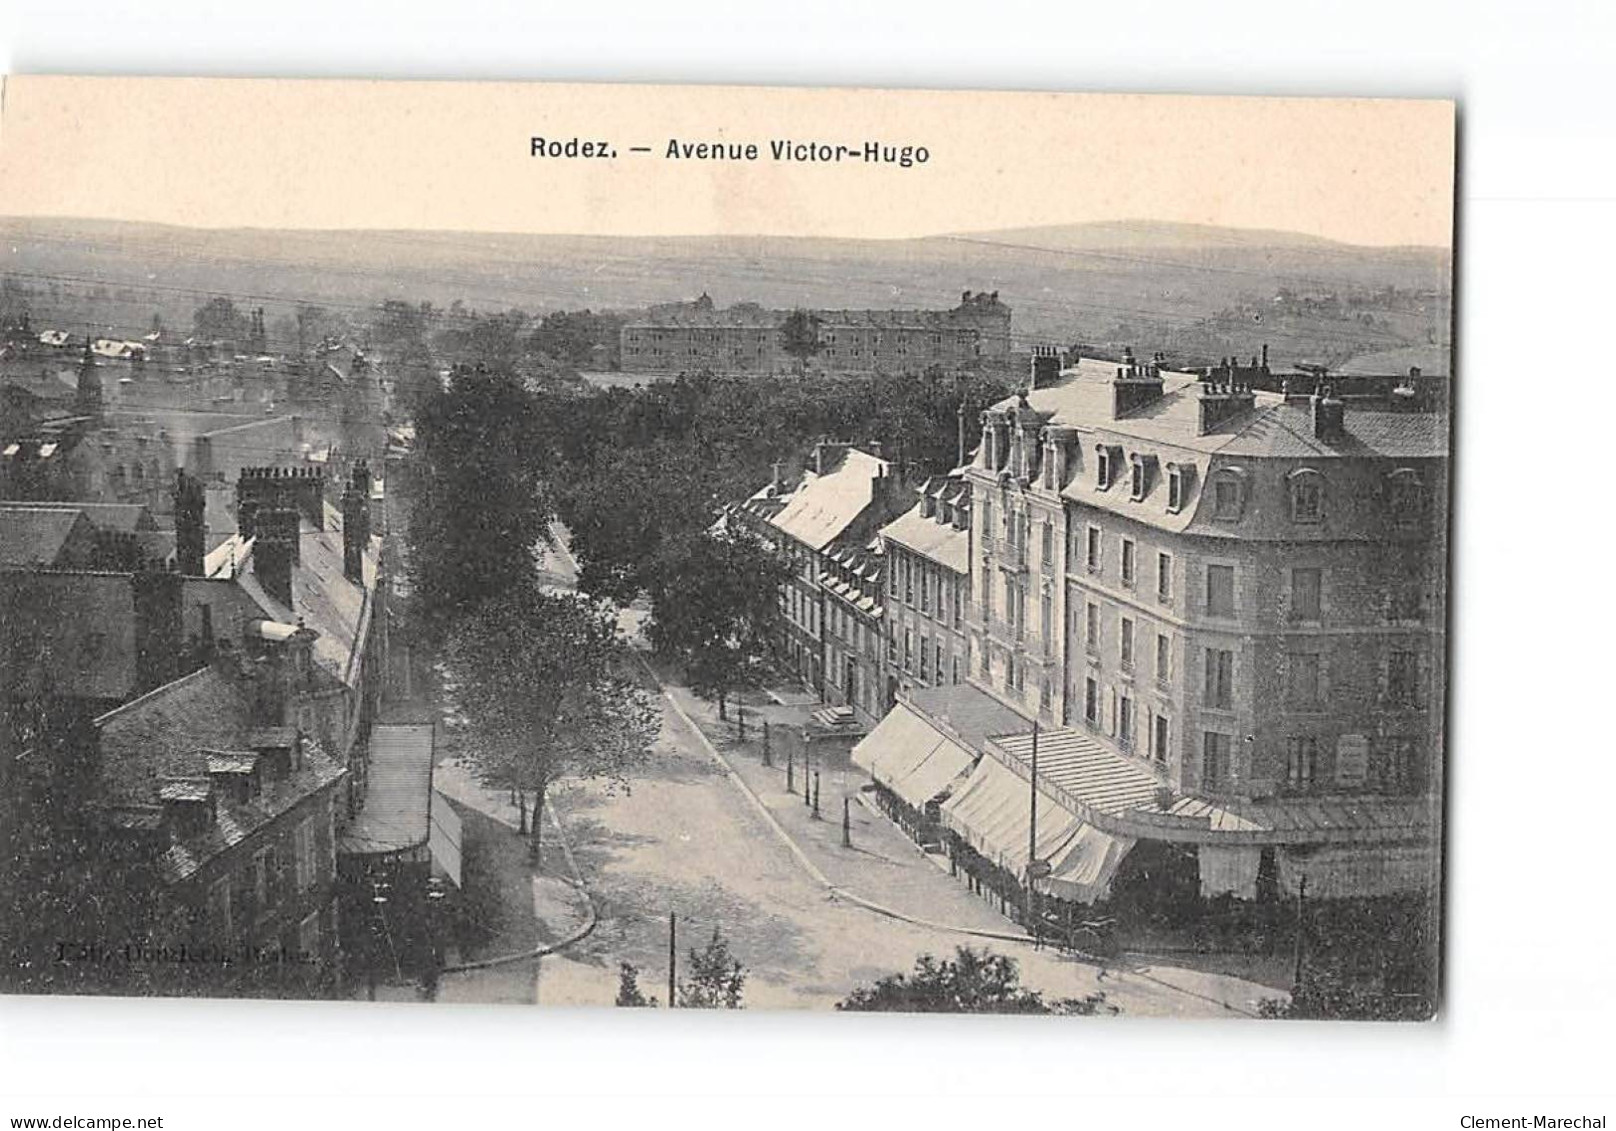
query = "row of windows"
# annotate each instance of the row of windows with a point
(936, 592)
(234, 902)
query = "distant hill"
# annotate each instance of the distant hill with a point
(1102, 234)
(1195, 288)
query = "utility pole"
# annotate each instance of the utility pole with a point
(673, 955)
(847, 825)
(1032, 844)
(766, 761)
(1301, 894)
(960, 415)
(816, 795)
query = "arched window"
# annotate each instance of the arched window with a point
(1307, 496)
(1405, 496)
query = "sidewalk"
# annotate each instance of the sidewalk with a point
(886, 867)
(559, 911)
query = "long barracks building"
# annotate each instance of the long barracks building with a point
(747, 338)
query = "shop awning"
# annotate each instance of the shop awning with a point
(992, 811)
(1082, 869)
(395, 817)
(444, 838)
(911, 757)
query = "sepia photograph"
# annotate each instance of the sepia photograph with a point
(777, 550)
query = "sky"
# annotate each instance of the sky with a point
(331, 154)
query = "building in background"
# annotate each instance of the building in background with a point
(834, 512)
(748, 338)
(928, 589)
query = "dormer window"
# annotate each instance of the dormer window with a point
(1177, 487)
(1106, 465)
(1139, 475)
(1307, 496)
(1228, 495)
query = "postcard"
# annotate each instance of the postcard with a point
(724, 548)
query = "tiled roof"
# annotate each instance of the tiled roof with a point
(83, 626)
(1110, 785)
(327, 601)
(39, 536)
(825, 505)
(166, 739)
(1082, 398)
(124, 517)
(967, 712)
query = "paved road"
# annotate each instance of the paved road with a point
(684, 838)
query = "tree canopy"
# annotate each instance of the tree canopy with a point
(481, 505)
(540, 683)
(712, 609)
(973, 981)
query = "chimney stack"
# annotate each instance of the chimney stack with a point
(1135, 385)
(276, 552)
(88, 402)
(777, 481)
(190, 528)
(158, 626)
(1329, 415)
(1046, 367)
(356, 523)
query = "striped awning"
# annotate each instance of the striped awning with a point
(992, 811)
(1085, 770)
(1082, 870)
(911, 757)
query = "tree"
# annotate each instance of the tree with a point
(800, 337)
(712, 607)
(540, 679)
(629, 993)
(716, 979)
(973, 981)
(628, 515)
(218, 319)
(481, 505)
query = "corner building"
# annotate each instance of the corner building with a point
(1225, 610)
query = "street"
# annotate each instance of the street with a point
(708, 833)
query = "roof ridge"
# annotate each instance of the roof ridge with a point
(160, 689)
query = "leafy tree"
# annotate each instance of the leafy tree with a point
(800, 337)
(629, 514)
(1327, 995)
(541, 681)
(480, 506)
(218, 319)
(629, 993)
(716, 978)
(579, 338)
(973, 981)
(712, 607)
